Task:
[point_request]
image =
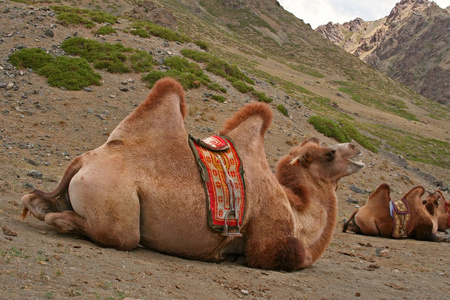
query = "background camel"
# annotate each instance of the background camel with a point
(375, 219)
(443, 208)
(143, 187)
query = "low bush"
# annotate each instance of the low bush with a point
(261, 97)
(329, 128)
(218, 98)
(33, 58)
(283, 110)
(146, 29)
(104, 30)
(70, 73)
(187, 80)
(114, 58)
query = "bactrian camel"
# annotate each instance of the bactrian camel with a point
(142, 186)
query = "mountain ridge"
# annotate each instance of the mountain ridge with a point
(410, 45)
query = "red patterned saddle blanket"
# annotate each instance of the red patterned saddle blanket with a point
(400, 213)
(223, 179)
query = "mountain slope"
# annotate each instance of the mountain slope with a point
(411, 45)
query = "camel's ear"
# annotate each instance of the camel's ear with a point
(311, 140)
(441, 196)
(305, 160)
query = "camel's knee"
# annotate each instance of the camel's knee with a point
(65, 221)
(109, 236)
(288, 254)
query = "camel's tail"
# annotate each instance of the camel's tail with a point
(71, 170)
(352, 217)
(60, 190)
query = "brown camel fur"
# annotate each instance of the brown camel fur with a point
(443, 207)
(143, 187)
(310, 175)
(374, 218)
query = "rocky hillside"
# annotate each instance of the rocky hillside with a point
(411, 45)
(283, 62)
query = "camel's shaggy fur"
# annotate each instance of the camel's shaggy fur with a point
(143, 187)
(374, 217)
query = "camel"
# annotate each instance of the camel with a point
(143, 187)
(374, 218)
(443, 209)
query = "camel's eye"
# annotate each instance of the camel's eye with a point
(330, 155)
(424, 202)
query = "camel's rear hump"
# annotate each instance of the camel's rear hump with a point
(249, 124)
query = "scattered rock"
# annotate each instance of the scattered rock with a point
(357, 189)
(35, 174)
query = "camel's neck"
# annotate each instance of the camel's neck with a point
(316, 220)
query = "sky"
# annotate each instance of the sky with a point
(320, 12)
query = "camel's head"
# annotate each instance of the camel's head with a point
(432, 204)
(432, 201)
(326, 162)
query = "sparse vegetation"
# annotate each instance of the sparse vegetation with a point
(75, 16)
(218, 98)
(202, 44)
(283, 109)
(366, 95)
(104, 30)
(33, 58)
(72, 73)
(114, 58)
(261, 97)
(146, 29)
(343, 131)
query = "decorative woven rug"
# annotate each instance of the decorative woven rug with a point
(211, 154)
(401, 216)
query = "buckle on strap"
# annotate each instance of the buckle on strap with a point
(234, 206)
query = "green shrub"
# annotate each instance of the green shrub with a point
(218, 98)
(187, 80)
(74, 16)
(115, 58)
(197, 55)
(217, 87)
(183, 65)
(69, 18)
(241, 86)
(71, 73)
(112, 66)
(283, 110)
(34, 58)
(329, 128)
(357, 136)
(99, 16)
(202, 44)
(141, 61)
(343, 132)
(262, 97)
(105, 30)
(146, 28)
(140, 32)
(217, 66)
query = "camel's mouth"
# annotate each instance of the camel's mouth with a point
(358, 163)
